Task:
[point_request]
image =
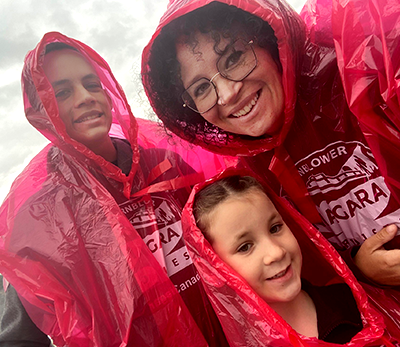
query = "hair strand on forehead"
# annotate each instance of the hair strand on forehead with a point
(207, 199)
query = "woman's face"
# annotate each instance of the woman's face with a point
(253, 106)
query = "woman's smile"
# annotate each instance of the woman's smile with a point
(245, 110)
(254, 106)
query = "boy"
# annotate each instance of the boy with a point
(87, 248)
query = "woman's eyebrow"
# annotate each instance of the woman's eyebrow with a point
(194, 79)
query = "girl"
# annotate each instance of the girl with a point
(255, 276)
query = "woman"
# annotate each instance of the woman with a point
(284, 110)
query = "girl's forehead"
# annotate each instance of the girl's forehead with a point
(252, 196)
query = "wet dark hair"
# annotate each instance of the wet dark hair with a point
(58, 46)
(163, 81)
(29, 87)
(212, 195)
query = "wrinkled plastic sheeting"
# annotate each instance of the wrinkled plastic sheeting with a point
(127, 283)
(153, 135)
(369, 65)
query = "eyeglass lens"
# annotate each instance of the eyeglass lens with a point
(236, 63)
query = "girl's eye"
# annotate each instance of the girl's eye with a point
(276, 228)
(244, 248)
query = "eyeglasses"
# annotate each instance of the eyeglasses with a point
(235, 64)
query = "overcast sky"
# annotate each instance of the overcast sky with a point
(117, 29)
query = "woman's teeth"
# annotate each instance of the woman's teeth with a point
(245, 110)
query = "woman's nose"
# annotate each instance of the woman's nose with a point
(227, 90)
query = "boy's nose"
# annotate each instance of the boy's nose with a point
(83, 96)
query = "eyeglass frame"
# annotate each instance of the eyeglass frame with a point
(250, 43)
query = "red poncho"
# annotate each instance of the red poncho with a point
(339, 168)
(337, 152)
(97, 256)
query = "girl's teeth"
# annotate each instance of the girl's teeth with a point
(278, 275)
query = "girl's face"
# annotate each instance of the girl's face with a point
(248, 233)
(251, 107)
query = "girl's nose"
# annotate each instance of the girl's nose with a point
(273, 252)
(227, 90)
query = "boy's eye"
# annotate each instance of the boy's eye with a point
(94, 86)
(62, 94)
(276, 228)
(244, 248)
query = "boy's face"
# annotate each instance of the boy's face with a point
(252, 107)
(84, 107)
(248, 233)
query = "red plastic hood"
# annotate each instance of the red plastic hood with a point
(48, 121)
(290, 32)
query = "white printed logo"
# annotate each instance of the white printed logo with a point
(349, 191)
(158, 221)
